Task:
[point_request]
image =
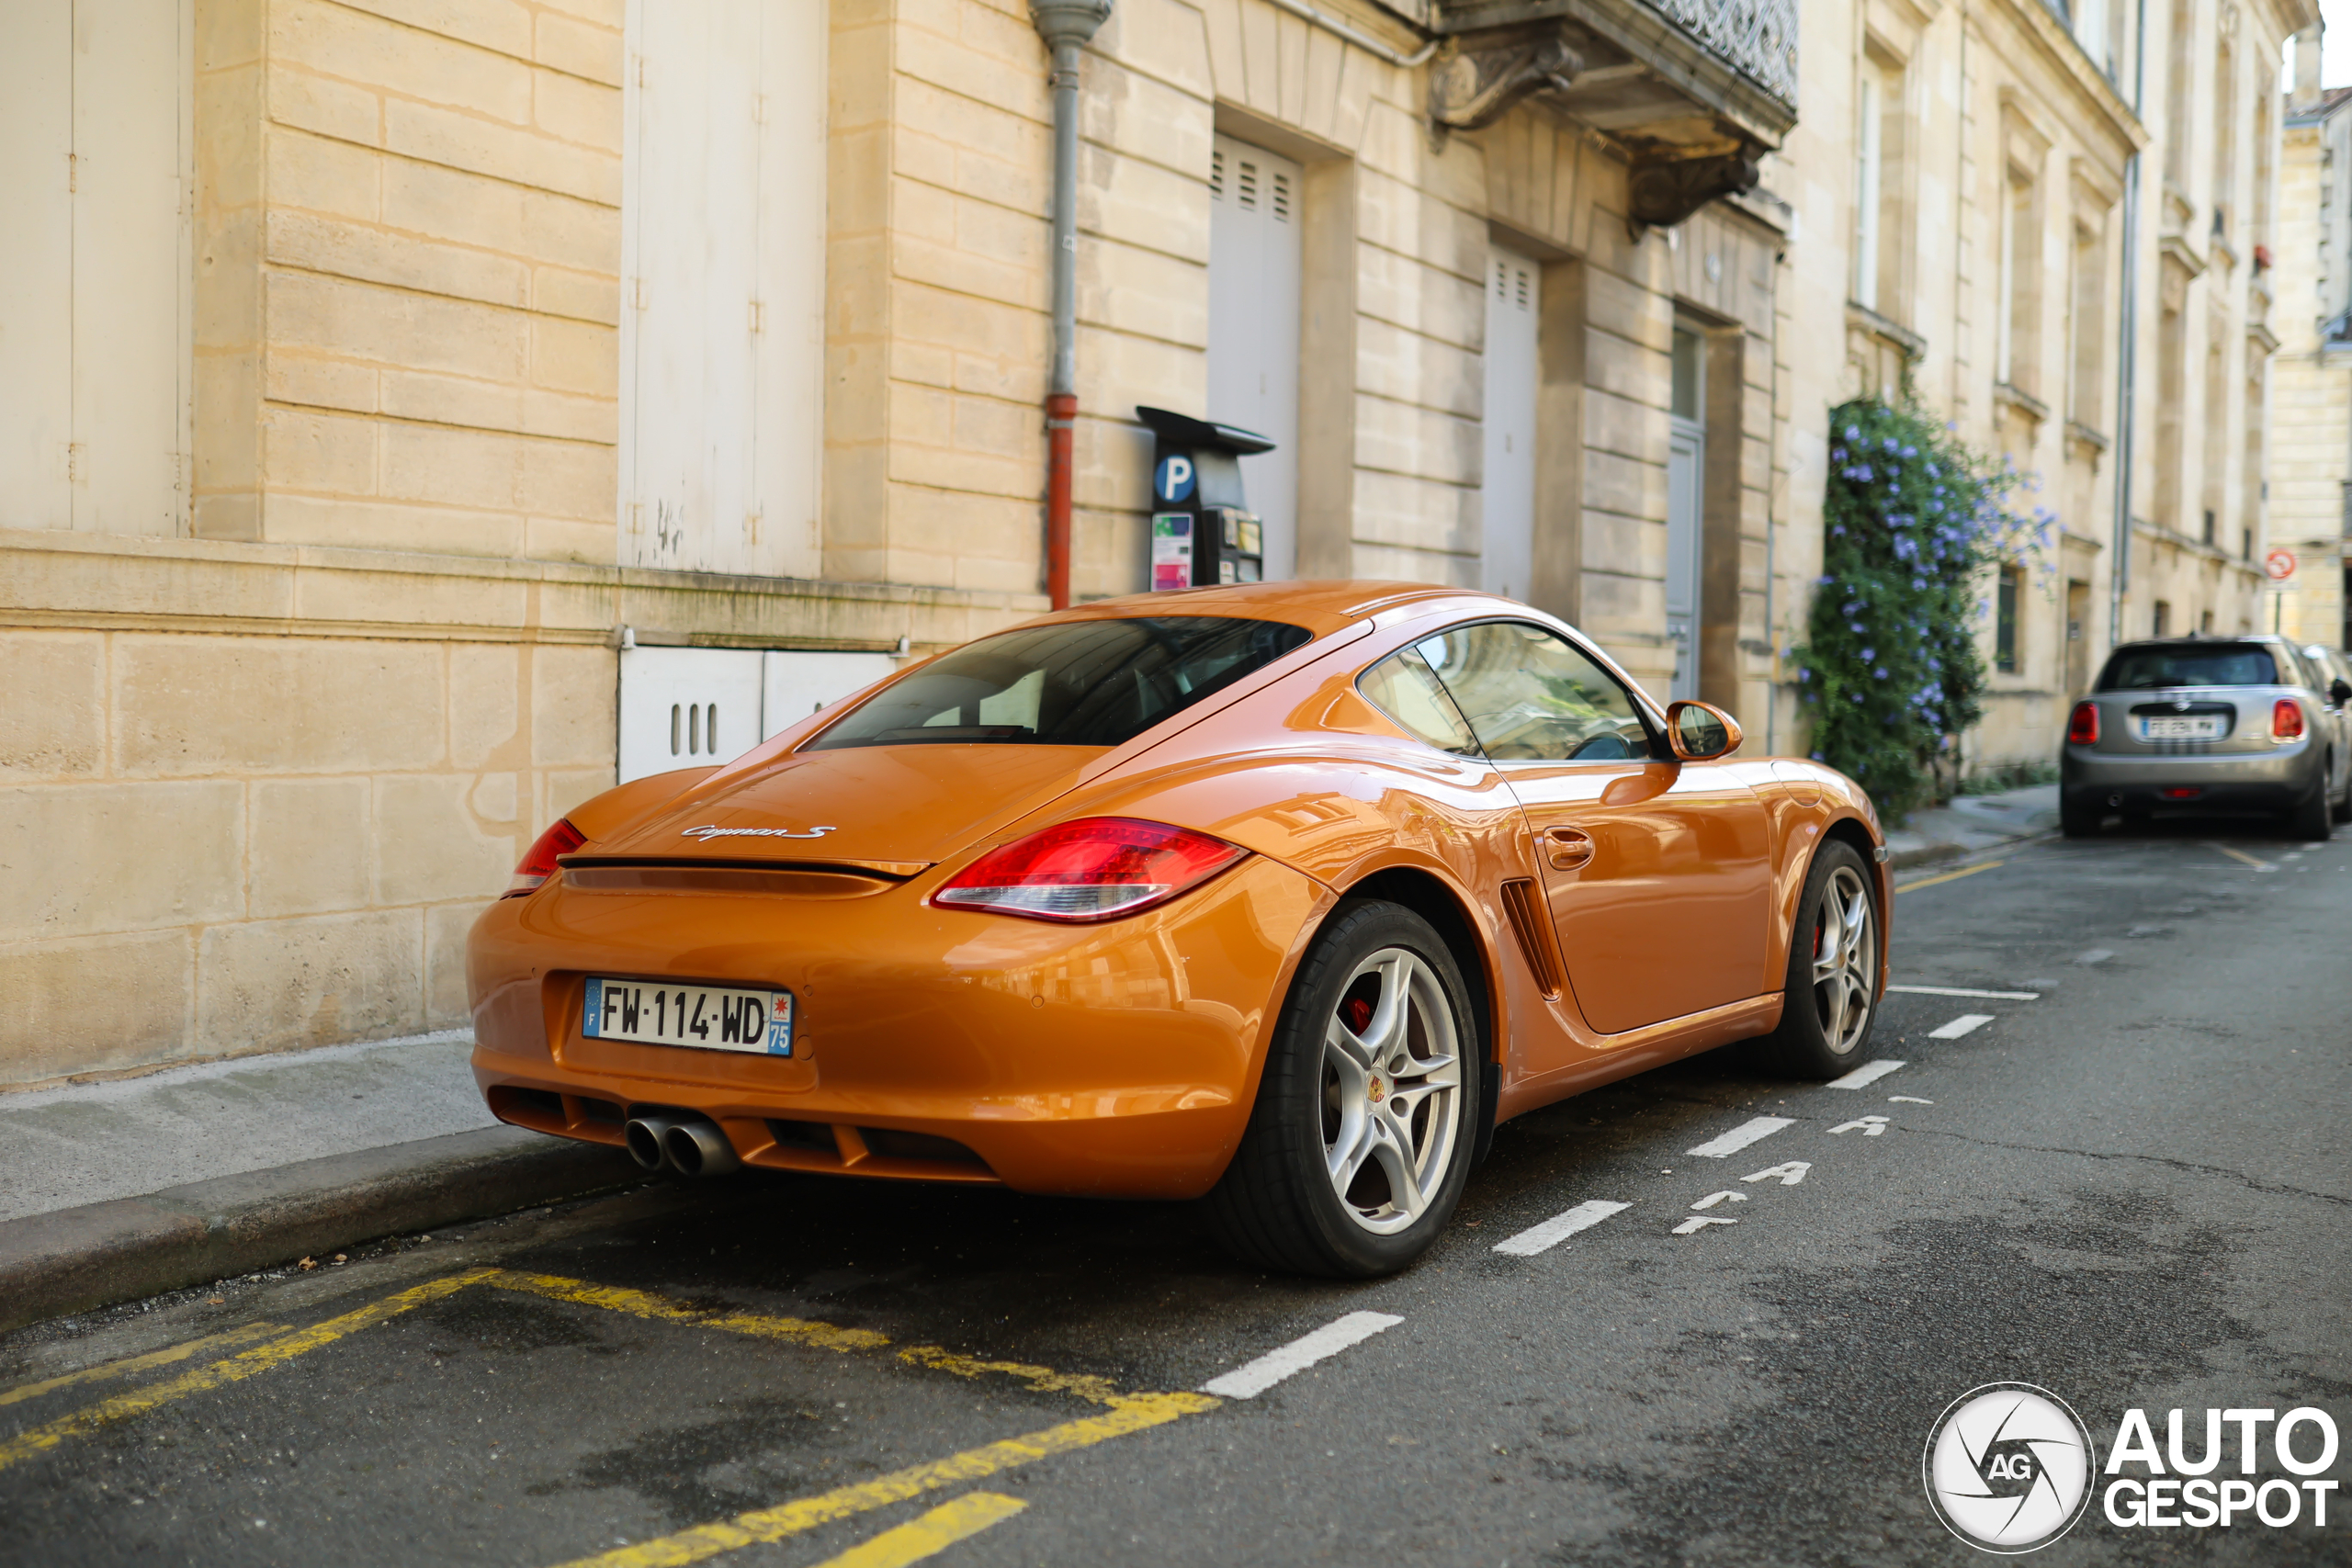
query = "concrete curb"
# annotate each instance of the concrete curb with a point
(70, 1260)
(1944, 854)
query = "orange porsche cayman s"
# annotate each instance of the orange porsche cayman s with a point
(1277, 895)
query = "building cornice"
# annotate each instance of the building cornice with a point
(2059, 49)
(132, 583)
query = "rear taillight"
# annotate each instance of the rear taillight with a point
(1094, 869)
(538, 861)
(2286, 719)
(2081, 725)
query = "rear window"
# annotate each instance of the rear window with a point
(2193, 664)
(1075, 683)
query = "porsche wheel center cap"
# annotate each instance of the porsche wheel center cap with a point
(1379, 1090)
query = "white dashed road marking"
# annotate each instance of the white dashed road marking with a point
(1559, 1227)
(1712, 1199)
(1908, 1100)
(2096, 956)
(1966, 1023)
(1250, 1382)
(1739, 1138)
(1698, 1222)
(1868, 1073)
(1787, 1175)
(1965, 991)
(1868, 1126)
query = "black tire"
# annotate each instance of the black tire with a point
(1819, 1036)
(2313, 820)
(2080, 816)
(1278, 1205)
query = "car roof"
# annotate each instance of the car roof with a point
(2262, 638)
(1321, 606)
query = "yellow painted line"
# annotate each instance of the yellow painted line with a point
(2239, 855)
(236, 1369)
(1040, 1380)
(933, 1533)
(1948, 876)
(661, 1309)
(225, 1340)
(1135, 1413)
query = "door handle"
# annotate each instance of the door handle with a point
(1566, 848)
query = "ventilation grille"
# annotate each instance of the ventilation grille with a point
(1531, 923)
(694, 724)
(1254, 189)
(1514, 283)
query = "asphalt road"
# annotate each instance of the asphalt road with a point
(2132, 1191)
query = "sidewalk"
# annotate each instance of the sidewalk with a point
(1971, 824)
(110, 1191)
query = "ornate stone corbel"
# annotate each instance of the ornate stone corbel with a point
(1474, 88)
(1662, 192)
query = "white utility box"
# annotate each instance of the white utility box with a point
(691, 707)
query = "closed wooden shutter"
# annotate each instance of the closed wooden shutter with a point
(1254, 262)
(722, 328)
(95, 277)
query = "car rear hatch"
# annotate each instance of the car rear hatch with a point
(2186, 721)
(892, 808)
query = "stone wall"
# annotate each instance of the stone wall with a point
(407, 248)
(252, 795)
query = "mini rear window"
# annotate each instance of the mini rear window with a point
(2192, 664)
(1073, 684)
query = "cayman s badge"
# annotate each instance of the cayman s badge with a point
(707, 833)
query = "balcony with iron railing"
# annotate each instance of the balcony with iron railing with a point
(1694, 91)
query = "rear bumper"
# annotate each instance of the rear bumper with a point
(2273, 780)
(1117, 1060)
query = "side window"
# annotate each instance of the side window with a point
(1530, 696)
(1402, 687)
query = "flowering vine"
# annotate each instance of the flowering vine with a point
(1912, 520)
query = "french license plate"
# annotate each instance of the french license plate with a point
(2204, 727)
(708, 1017)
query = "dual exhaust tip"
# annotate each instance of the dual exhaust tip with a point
(691, 1145)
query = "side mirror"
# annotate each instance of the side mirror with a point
(2339, 691)
(1700, 732)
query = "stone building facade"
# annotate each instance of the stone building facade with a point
(394, 392)
(1974, 228)
(2311, 476)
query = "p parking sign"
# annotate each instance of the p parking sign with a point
(1174, 481)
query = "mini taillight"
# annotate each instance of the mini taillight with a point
(2081, 725)
(538, 861)
(1094, 869)
(2286, 719)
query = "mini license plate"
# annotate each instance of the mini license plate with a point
(2202, 727)
(708, 1017)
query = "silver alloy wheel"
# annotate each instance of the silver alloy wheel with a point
(1392, 1086)
(1845, 961)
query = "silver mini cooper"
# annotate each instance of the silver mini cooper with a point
(2209, 725)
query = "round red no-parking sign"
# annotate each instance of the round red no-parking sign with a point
(2279, 564)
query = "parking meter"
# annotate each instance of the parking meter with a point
(1202, 529)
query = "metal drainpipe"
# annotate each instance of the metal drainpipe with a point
(1066, 26)
(2119, 571)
